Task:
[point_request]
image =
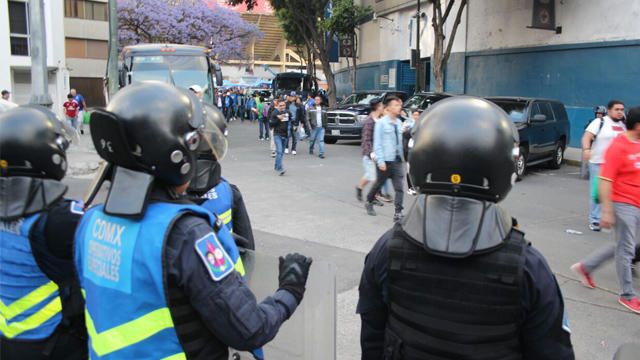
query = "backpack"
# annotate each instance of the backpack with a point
(265, 110)
(599, 128)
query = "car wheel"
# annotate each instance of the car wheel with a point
(330, 141)
(521, 164)
(558, 156)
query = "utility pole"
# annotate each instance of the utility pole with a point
(113, 49)
(38, 48)
(418, 17)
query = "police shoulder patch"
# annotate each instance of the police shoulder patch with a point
(215, 258)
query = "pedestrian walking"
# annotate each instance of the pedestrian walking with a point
(619, 194)
(252, 105)
(297, 115)
(595, 141)
(228, 105)
(71, 111)
(280, 119)
(368, 156)
(389, 157)
(407, 144)
(263, 120)
(317, 120)
(81, 110)
(455, 279)
(41, 312)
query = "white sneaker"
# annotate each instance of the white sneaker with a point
(293, 152)
(411, 191)
(286, 151)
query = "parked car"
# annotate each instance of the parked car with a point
(543, 126)
(423, 100)
(344, 122)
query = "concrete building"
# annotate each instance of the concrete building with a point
(15, 62)
(86, 34)
(592, 58)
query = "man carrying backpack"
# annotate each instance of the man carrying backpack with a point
(263, 119)
(595, 141)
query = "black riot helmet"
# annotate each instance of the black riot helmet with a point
(33, 141)
(600, 110)
(464, 146)
(212, 150)
(151, 127)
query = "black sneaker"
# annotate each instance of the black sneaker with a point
(358, 193)
(310, 152)
(377, 202)
(369, 207)
(397, 217)
(321, 156)
(594, 226)
(81, 132)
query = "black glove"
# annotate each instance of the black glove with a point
(241, 243)
(294, 270)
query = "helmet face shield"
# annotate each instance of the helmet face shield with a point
(213, 140)
(67, 136)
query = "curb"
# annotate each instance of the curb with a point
(570, 162)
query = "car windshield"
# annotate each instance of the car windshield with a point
(421, 101)
(361, 98)
(182, 71)
(516, 110)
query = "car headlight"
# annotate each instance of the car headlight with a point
(361, 118)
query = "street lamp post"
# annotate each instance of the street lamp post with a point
(418, 49)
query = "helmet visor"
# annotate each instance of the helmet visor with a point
(67, 136)
(213, 140)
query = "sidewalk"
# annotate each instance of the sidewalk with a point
(82, 158)
(573, 156)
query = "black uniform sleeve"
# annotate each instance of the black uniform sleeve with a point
(241, 222)
(227, 307)
(545, 330)
(372, 304)
(60, 229)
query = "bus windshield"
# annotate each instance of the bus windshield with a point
(182, 71)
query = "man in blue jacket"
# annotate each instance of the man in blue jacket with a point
(387, 147)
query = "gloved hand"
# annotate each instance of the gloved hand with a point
(294, 270)
(241, 243)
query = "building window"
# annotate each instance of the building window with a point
(19, 27)
(89, 49)
(82, 9)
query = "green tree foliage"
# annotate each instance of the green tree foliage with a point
(345, 21)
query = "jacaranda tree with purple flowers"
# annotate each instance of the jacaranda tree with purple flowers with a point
(195, 22)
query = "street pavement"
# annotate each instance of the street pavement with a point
(312, 209)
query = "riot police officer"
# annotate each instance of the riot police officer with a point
(157, 271)
(40, 303)
(213, 192)
(455, 279)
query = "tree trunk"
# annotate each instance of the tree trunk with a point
(353, 86)
(328, 73)
(355, 62)
(309, 62)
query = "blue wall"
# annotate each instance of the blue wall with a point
(582, 76)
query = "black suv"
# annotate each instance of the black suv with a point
(344, 122)
(543, 126)
(423, 100)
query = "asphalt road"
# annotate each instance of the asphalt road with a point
(312, 209)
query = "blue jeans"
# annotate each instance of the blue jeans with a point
(280, 145)
(595, 209)
(240, 112)
(252, 116)
(73, 122)
(264, 123)
(290, 134)
(317, 133)
(229, 113)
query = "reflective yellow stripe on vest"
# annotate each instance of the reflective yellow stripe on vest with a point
(226, 216)
(129, 333)
(26, 302)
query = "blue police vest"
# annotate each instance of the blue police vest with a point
(120, 266)
(220, 202)
(30, 306)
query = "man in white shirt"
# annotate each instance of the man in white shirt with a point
(317, 120)
(595, 141)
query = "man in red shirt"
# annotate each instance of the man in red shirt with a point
(71, 111)
(619, 194)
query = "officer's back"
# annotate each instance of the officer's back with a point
(455, 280)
